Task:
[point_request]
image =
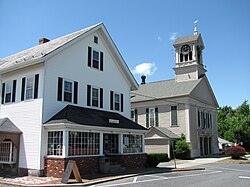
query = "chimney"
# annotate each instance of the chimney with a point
(143, 78)
(43, 40)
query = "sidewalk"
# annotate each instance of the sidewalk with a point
(182, 165)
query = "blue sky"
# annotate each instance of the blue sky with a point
(142, 31)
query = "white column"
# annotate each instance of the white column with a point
(101, 144)
(187, 122)
(65, 143)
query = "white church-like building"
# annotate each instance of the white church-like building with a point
(184, 105)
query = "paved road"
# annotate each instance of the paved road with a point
(214, 175)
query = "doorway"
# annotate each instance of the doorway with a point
(110, 144)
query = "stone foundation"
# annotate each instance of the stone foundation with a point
(54, 167)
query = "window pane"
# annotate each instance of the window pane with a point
(95, 59)
(132, 143)
(117, 101)
(29, 87)
(8, 92)
(67, 86)
(174, 115)
(95, 97)
(55, 143)
(83, 143)
(152, 117)
(68, 91)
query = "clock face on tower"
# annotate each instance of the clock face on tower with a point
(185, 48)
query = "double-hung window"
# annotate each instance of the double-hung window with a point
(116, 101)
(134, 115)
(95, 59)
(8, 91)
(94, 96)
(152, 117)
(29, 88)
(174, 119)
(68, 91)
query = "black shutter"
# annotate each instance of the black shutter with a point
(88, 94)
(147, 117)
(14, 91)
(101, 98)
(23, 88)
(121, 102)
(101, 62)
(156, 118)
(111, 100)
(59, 89)
(89, 56)
(3, 92)
(36, 86)
(75, 92)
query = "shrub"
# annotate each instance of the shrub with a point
(182, 148)
(236, 152)
(153, 159)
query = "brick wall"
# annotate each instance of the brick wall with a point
(54, 167)
(130, 161)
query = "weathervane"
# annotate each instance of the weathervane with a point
(195, 26)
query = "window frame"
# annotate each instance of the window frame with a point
(117, 103)
(152, 117)
(9, 83)
(171, 116)
(72, 90)
(98, 96)
(96, 39)
(10, 157)
(132, 143)
(83, 143)
(26, 86)
(58, 150)
(98, 60)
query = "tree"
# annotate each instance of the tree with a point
(234, 124)
(182, 148)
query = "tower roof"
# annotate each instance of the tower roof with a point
(188, 39)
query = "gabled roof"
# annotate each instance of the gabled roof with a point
(92, 117)
(159, 133)
(6, 125)
(163, 89)
(41, 50)
(44, 51)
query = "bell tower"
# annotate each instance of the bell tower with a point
(188, 57)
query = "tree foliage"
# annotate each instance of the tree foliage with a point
(182, 148)
(234, 124)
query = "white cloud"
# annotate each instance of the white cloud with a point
(173, 36)
(145, 69)
(159, 39)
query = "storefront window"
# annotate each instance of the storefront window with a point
(55, 143)
(132, 143)
(83, 143)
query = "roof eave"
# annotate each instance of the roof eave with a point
(22, 65)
